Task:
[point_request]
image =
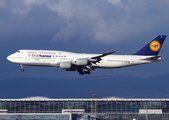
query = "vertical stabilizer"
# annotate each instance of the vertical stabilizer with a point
(153, 47)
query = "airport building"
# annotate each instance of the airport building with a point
(39, 108)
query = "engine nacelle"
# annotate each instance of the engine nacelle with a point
(82, 61)
(65, 65)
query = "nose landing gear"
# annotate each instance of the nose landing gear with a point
(22, 68)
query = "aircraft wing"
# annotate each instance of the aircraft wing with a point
(102, 55)
(98, 58)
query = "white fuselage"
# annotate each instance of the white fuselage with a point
(85, 63)
(54, 58)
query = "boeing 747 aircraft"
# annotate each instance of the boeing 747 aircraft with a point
(85, 63)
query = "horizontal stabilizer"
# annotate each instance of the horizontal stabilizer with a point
(153, 58)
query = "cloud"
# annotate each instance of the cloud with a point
(78, 25)
(116, 2)
(22, 7)
(105, 21)
(2, 4)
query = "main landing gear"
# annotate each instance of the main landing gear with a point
(83, 71)
(22, 68)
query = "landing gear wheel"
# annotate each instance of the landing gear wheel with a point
(87, 72)
(80, 71)
(22, 68)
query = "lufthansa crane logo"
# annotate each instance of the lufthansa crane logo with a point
(155, 46)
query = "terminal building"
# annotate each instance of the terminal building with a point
(39, 108)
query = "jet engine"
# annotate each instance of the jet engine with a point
(65, 65)
(81, 61)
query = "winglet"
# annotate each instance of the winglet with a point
(153, 47)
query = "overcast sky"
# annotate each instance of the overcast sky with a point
(84, 26)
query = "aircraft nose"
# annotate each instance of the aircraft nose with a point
(9, 58)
